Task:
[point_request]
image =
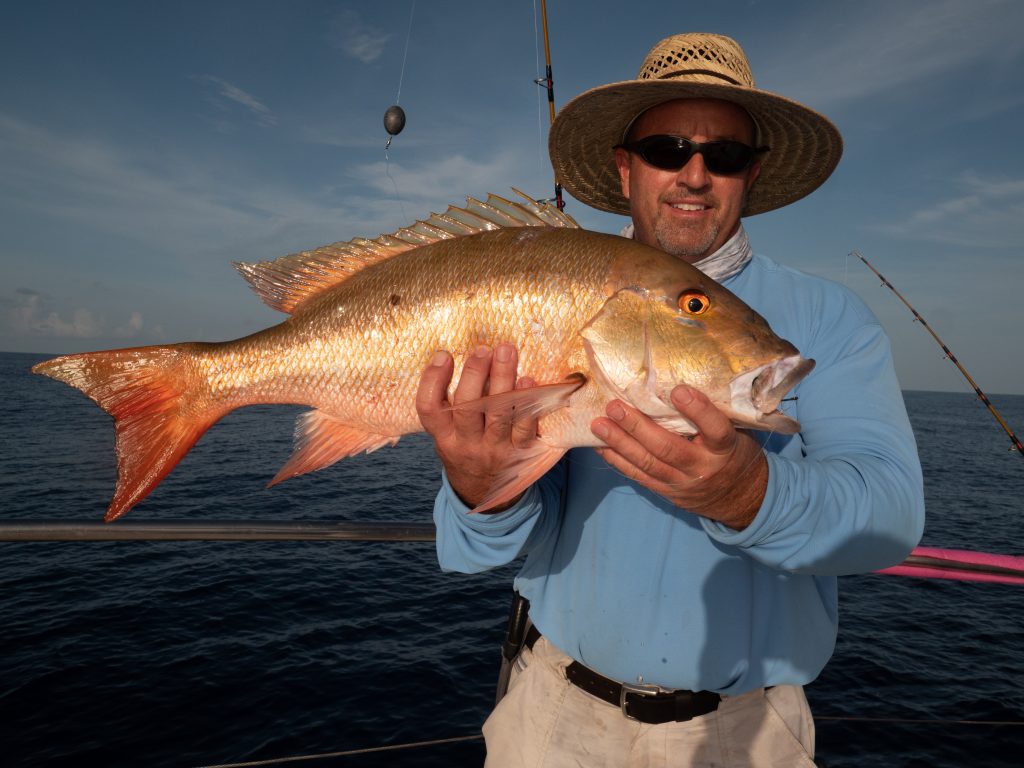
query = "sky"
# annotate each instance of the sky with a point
(144, 147)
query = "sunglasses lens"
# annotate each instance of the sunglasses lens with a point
(670, 153)
(666, 152)
(727, 157)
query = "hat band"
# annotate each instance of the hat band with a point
(704, 72)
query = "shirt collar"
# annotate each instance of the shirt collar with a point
(727, 261)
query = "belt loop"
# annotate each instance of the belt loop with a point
(684, 701)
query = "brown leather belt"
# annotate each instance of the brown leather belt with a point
(646, 703)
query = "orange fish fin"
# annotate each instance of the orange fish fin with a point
(530, 465)
(285, 284)
(322, 439)
(156, 400)
(531, 402)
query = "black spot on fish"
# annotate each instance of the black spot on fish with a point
(395, 299)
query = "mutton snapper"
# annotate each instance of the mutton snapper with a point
(594, 316)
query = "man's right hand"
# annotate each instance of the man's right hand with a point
(473, 446)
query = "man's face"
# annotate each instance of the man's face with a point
(689, 213)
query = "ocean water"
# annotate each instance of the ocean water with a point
(200, 653)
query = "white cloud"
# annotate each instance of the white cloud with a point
(31, 313)
(445, 178)
(171, 203)
(130, 329)
(847, 52)
(28, 312)
(222, 94)
(176, 207)
(985, 213)
(357, 39)
(345, 132)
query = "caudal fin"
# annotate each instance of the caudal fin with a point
(159, 406)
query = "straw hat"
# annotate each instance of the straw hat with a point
(804, 146)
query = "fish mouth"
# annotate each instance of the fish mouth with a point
(756, 394)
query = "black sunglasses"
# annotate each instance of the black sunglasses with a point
(670, 153)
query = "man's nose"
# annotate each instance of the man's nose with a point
(694, 175)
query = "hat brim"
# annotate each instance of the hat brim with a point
(804, 146)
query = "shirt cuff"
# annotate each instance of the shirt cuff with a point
(760, 527)
(498, 523)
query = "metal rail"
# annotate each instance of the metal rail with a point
(212, 530)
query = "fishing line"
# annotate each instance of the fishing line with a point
(398, 98)
(387, 172)
(405, 56)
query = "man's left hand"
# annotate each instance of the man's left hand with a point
(720, 473)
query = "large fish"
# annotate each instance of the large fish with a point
(594, 317)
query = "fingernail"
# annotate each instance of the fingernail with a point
(482, 351)
(616, 412)
(440, 358)
(600, 429)
(503, 352)
(683, 394)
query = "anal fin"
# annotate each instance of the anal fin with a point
(322, 439)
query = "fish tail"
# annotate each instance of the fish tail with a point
(160, 403)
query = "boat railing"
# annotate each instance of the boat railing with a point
(213, 530)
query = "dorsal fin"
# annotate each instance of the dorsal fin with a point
(290, 281)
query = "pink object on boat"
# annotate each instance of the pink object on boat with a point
(933, 563)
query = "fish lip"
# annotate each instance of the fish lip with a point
(775, 380)
(757, 393)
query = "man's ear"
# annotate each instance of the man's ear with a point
(622, 163)
(753, 174)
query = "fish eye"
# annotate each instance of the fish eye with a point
(694, 302)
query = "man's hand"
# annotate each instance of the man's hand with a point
(473, 447)
(721, 473)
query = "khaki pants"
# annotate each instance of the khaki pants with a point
(544, 721)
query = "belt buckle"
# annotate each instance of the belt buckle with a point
(640, 689)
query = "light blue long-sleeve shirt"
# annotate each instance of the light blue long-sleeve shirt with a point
(636, 588)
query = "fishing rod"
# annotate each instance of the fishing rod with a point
(549, 83)
(1017, 446)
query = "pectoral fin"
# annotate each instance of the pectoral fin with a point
(532, 402)
(530, 465)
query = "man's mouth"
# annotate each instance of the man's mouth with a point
(689, 206)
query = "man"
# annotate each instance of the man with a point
(684, 590)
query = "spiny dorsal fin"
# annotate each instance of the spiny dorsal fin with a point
(290, 281)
